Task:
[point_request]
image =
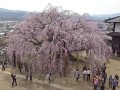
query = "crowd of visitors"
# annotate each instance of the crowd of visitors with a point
(98, 77)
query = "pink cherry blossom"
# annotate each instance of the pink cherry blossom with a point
(44, 39)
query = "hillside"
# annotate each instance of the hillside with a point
(13, 15)
(105, 16)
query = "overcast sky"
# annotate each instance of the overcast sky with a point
(79, 6)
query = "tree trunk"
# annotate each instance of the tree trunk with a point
(26, 74)
(77, 60)
(65, 66)
(19, 64)
(14, 59)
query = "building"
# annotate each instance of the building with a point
(115, 34)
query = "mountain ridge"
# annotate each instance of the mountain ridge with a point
(18, 15)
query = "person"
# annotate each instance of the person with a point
(30, 75)
(48, 77)
(110, 81)
(84, 75)
(14, 79)
(88, 74)
(117, 78)
(105, 76)
(98, 72)
(5, 63)
(60, 73)
(114, 83)
(102, 86)
(77, 74)
(84, 68)
(3, 67)
(104, 67)
(96, 82)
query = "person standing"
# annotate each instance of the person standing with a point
(114, 84)
(14, 79)
(3, 67)
(117, 78)
(88, 74)
(84, 75)
(30, 75)
(84, 68)
(77, 75)
(48, 77)
(96, 82)
(104, 76)
(98, 72)
(110, 81)
(102, 86)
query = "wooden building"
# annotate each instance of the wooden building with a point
(115, 34)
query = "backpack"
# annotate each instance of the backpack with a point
(114, 82)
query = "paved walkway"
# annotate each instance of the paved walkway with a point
(41, 82)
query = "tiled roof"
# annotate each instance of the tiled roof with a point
(112, 20)
(114, 34)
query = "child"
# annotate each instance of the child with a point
(14, 79)
(96, 82)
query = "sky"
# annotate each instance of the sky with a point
(93, 7)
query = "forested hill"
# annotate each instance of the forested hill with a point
(105, 16)
(13, 15)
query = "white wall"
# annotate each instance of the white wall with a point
(117, 27)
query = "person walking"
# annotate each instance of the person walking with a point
(88, 74)
(14, 79)
(77, 74)
(110, 81)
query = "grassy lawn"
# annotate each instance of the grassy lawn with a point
(113, 67)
